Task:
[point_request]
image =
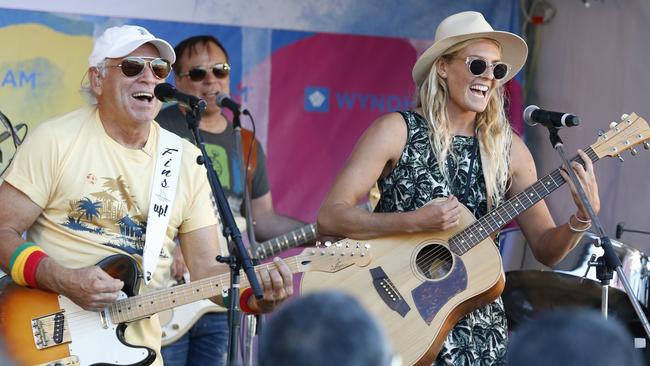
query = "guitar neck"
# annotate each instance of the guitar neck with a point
(289, 240)
(321, 259)
(494, 220)
(142, 306)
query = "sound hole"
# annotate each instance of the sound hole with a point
(434, 261)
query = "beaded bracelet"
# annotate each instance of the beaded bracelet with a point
(580, 221)
(24, 262)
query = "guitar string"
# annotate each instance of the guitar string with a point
(295, 240)
(427, 259)
(299, 236)
(438, 252)
(158, 296)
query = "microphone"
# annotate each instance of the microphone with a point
(534, 115)
(619, 230)
(167, 93)
(224, 101)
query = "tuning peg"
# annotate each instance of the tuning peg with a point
(646, 145)
(612, 124)
(620, 158)
(634, 152)
(624, 116)
(600, 132)
(328, 244)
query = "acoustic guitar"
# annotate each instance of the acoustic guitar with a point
(420, 285)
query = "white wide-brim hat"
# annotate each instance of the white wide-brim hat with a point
(470, 25)
(120, 41)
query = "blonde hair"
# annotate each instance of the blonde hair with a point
(492, 126)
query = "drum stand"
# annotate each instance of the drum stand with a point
(608, 262)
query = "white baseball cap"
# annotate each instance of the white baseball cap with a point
(120, 41)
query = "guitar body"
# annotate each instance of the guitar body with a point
(417, 288)
(67, 333)
(178, 321)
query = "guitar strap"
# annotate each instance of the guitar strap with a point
(249, 150)
(163, 192)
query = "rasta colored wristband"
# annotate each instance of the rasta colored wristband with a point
(24, 262)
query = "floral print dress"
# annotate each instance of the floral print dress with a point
(479, 338)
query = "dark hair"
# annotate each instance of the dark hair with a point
(190, 45)
(572, 337)
(326, 328)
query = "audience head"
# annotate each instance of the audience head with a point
(572, 337)
(327, 328)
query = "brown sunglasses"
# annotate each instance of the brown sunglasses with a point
(198, 73)
(133, 66)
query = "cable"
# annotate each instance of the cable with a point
(17, 140)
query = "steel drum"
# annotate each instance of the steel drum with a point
(532, 287)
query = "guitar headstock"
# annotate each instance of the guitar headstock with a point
(333, 257)
(631, 131)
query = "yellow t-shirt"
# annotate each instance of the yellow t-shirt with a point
(95, 197)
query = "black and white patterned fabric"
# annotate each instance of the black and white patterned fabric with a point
(479, 338)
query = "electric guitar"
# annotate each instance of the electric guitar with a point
(420, 285)
(178, 321)
(43, 328)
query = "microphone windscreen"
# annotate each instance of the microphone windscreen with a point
(220, 97)
(528, 115)
(164, 91)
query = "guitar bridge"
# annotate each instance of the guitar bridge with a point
(50, 330)
(388, 292)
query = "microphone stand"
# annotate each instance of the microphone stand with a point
(609, 261)
(249, 319)
(239, 258)
(635, 231)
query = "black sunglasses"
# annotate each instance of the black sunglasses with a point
(478, 66)
(133, 66)
(198, 73)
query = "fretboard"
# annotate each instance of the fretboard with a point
(494, 220)
(142, 306)
(289, 240)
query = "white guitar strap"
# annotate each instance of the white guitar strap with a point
(163, 192)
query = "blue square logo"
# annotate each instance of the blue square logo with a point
(317, 99)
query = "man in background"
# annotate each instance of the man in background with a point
(202, 69)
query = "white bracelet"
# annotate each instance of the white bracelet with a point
(581, 221)
(578, 230)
